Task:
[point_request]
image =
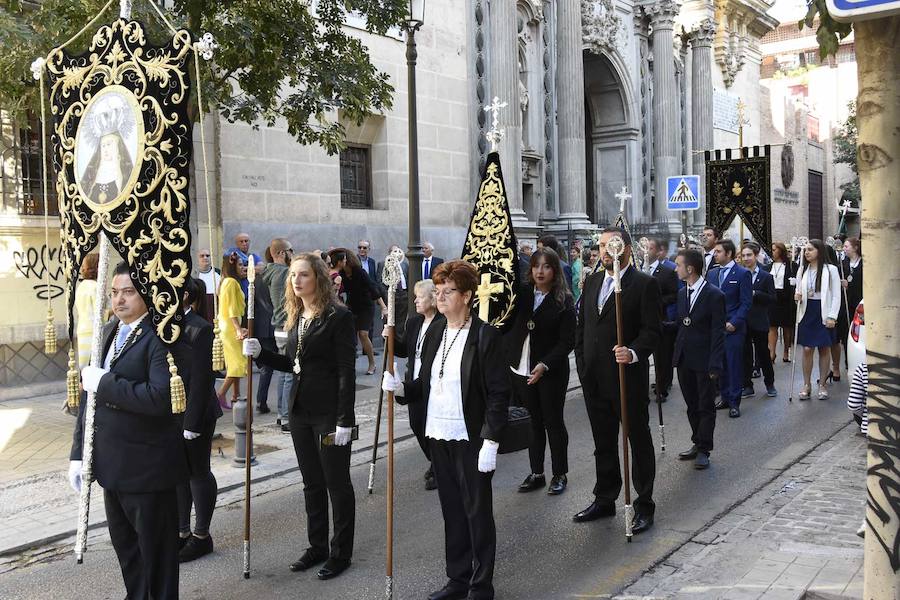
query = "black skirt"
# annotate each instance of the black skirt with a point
(783, 312)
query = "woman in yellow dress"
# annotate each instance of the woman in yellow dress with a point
(231, 310)
(85, 296)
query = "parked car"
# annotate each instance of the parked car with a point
(856, 341)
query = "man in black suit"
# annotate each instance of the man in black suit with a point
(699, 352)
(668, 292)
(597, 356)
(370, 266)
(429, 261)
(709, 238)
(199, 425)
(757, 338)
(139, 451)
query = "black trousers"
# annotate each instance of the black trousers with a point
(699, 393)
(662, 358)
(604, 414)
(470, 537)
(201, 490)
(757, 342)
(143, 529)
(545, 401)
(326, 472)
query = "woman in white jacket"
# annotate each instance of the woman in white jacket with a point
(819, 295)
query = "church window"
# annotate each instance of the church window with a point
(21, 172)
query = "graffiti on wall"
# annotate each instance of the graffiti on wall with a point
(884, 448)
(33, 263)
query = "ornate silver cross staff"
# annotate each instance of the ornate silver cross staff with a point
(391, 276)
(494, 135)
(615, 246)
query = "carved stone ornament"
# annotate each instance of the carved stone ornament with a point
(600, 25)
(787, 166)
(662, 13)
(704, 34)
(731, 41)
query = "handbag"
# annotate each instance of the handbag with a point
(517, 435)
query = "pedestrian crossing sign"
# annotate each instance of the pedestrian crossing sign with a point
(683, 192)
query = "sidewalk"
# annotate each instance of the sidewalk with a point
(796, 534)
(39, 507)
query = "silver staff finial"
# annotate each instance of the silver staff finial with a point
(623, 197)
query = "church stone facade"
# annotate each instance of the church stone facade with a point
(600, 94)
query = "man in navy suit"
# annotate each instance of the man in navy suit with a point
(429, 261)
(371, 268)
(699, 352)
(758, 322)
(735, 282)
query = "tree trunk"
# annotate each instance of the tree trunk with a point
(878, 114)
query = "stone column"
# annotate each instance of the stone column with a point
(702, 107)
(570, 116)
(666, 152)
(503, 71)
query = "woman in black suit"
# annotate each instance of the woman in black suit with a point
(539, 343)
(420, 330)
(361, 292)
(463, 387)
(320, 353)
(782, 312)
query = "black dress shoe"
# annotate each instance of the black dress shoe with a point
(451, 591)
(557, 485)
(702, 461)
(595, 511)
(195, 548)
(182, 541)
(688, 454)
(309, 559)
(720, 405)
(534, 481)
(748, 392)
(332, 568)
(641, 523)
(263, 409)
(734, 413)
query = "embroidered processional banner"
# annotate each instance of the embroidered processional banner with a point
(122, 154)
(740, 187)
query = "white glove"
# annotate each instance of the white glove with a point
(792, 281)
(75, 475)
(487, 456)
(392, 383)
(342, 435)
(190, 435)
(90, 378)
(252, 347)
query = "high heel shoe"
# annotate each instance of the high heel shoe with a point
(823, 393)
(835, 378)
(223, 403)
(804, 394)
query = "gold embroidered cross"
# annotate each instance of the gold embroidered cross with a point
(485, 293)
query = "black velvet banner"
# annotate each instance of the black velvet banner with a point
(121, 153)
(740, 187)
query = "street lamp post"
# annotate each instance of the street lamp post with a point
(414, 21)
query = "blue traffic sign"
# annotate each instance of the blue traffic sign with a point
(683, 192)
(859, 10)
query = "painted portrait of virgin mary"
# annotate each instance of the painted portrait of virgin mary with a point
(107, 147)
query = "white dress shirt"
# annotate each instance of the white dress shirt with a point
(445, 419)
(609, 280)
(107, 362)
(525, 359)
(778, 271)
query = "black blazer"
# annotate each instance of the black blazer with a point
(595, 335)
(552, 338)
(701, 345)
(325, 391)
(763, 297)
(668, 287)
(138, 445)
(854, 288)
(405, 346)
(361, 291)
(202, 406)
(485, 380)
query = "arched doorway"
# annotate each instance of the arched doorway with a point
(611, 138)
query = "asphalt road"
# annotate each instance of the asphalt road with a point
(541, 553)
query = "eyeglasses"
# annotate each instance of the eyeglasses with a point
(441, 294)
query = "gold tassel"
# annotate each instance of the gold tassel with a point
(73, 393)
(218, 349)
(50, 345)
(176, 387)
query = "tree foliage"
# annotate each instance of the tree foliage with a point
(830, 32)
(845, 144)
(277, 60)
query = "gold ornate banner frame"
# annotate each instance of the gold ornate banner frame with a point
(740, 187)
(122, 143)
(491, 242)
